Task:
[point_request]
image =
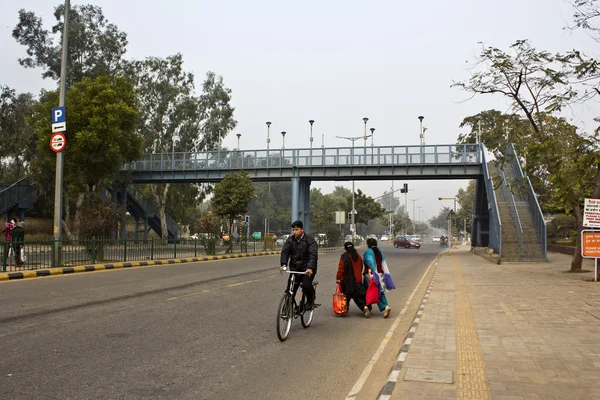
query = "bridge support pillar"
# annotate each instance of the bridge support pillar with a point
(123, 211)
(301, 201)
(146, 228)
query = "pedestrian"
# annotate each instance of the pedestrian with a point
(8, 227)
(18, 239)
(376, 269)
(350, 277)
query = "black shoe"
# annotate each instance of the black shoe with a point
(309, 306)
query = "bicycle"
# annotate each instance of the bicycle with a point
(289, 310)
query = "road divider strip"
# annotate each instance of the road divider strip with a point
(38, 273)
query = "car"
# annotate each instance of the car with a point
(436, 239)
(407, 243)
(384, 238)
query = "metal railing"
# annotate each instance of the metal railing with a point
(318, 157)
(19, 191)
(495, 223)
(85, 251)
(510, 199)
(526, 193)
(149, 207)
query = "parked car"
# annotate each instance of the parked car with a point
(407, 243)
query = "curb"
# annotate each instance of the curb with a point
(394, 375)
(10, 276)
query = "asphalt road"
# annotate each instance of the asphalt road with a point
(188, 331)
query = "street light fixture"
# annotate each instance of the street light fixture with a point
(352, 139)
(268, 136)
(238, 136)
(283, 135)
(311, 122)
(372, 135)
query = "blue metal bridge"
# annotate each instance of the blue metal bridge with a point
(302, 166)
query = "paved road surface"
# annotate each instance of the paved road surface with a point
(189, 331)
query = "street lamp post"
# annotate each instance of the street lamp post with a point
(352, 228)
(365, 119)
(311, 122)
(268, 136)
(421, 129)
(414, 216)
(175, 138)
(454, 214)
(283, 136)
(238, 136)
(372, 135)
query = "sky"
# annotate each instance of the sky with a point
(334, 62)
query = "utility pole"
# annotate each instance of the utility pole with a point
(414, 213)
(58, 186)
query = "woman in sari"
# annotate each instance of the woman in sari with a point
(376, 269)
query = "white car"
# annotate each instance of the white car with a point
(436, 239)
(384, 238)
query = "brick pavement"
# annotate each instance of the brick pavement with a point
(509, 331)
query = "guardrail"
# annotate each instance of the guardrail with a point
(318, 157)
(510, 198)
(526, 193)
(495, 223)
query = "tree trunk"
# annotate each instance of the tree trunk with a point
(577, 258)
(78, 211)
(161, 205)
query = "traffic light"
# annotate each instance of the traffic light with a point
(404, 188)
(247, 219)
(349, 220)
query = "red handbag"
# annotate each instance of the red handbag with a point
(372, 296)
(340, 302)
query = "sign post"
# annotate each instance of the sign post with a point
(590, 238)
(59, 125)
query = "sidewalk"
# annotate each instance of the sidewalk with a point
(510, 331)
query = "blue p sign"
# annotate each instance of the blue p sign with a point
(58, 115)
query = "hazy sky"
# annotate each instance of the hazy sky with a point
(332, 61)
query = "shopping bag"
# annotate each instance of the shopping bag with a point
(10, 251)
(372, 296)
(23, 256)
(340, 302)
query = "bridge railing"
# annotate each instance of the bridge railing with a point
(317, 157)
(495, 223)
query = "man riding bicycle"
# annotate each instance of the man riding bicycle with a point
(300, 252)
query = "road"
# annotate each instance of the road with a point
(190, 331)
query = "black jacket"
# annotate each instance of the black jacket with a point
(300, 254)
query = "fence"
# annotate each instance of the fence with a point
(40, 254)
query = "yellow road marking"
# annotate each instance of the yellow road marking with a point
(470, 368)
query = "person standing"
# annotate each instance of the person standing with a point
(8, 227)
(300, 252)
(350, 277)
(377, 270)
(18, 239)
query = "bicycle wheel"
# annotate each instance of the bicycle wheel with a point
(284, 317)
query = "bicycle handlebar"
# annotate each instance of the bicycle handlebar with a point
(292, 272)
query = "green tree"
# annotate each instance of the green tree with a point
(367, 209)
(96, 47)
(440, 221)
(538, 84)
(17, 138)
(101, 136)
(231, 197)
(465, 199)
(169, 109)
(208, 226)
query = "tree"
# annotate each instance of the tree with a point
(169, 109)
(208, 226)
(389, 202)
(367, 209)
(231, 197)
(101, 136)
(96, 47)
(537, 83)
(17, 138)
(440, 221)
(465, 199)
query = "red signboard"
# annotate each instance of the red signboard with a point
(590, 244)
(58, 142)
